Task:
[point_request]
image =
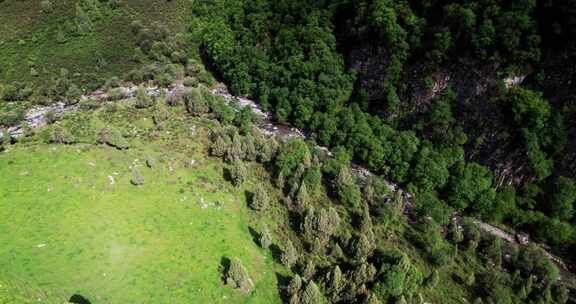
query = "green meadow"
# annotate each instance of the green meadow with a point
(72, 222)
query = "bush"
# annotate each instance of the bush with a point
(61, 135)
(238, 173)
(11, 118)
(260, 199)
(237, 276)
(195, 102)
(143, 99)
(113, 138)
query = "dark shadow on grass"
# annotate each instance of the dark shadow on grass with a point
(255, 236)
(282, 283)
(248, 195)
(224, 266)
(78, 299)
(276, 252)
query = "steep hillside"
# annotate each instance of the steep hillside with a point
(92, 40)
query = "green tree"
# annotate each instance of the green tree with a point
(289, 254)
(265, 239)
(143, 100)
(238, 277)
(195, 102)
(260, 199)
(238, 173)
(311, 294)
(562, 198)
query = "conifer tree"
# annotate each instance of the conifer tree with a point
(362, 248)
(311, 294)
(195, 102)
(235, 152)
(294, 286)
(260, 199)
(302, 198)
(434, 279)
(238, 173)
(309, 269)
(337, 252)
(335, 280)
(237, 276)
(289, 254)
(371, 299)
(220, 146)
(265, 239)
(143, 100)
(249, 148)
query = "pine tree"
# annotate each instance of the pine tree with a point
(294, 287)
(248, 148)
(238, 173)
(260, 199)
(143, 100)
(337, 252)
(335, 280)
(235, 152)
(195, 102)
(309, 270)
(434, 279)
(237, 276)
(311, 294)
(302, 198)
(371, 299)
(289, 254)
(265, 239)
(362, 248)
(220, 146)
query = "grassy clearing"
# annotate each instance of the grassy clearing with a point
(69, 230)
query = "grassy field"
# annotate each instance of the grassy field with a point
(72, 223)
(28, 38)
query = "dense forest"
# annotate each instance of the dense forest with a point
(347, 72)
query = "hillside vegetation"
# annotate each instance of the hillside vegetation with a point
(372, 144)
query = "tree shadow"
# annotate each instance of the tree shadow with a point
(255, 236)
(226, 175)
(224, 266)
(276, 252)
(248, 195)
(78, 299)
(282, 283)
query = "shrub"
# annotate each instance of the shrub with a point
(260, 199)
(113, 138)
(311, 294)
(115, 94)
(265, 238)
(11, 118)
(237, 276)
(289, 254)
(46, 6)
(61, 135)
(238, 173)
(143, 100)
(195, 102)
